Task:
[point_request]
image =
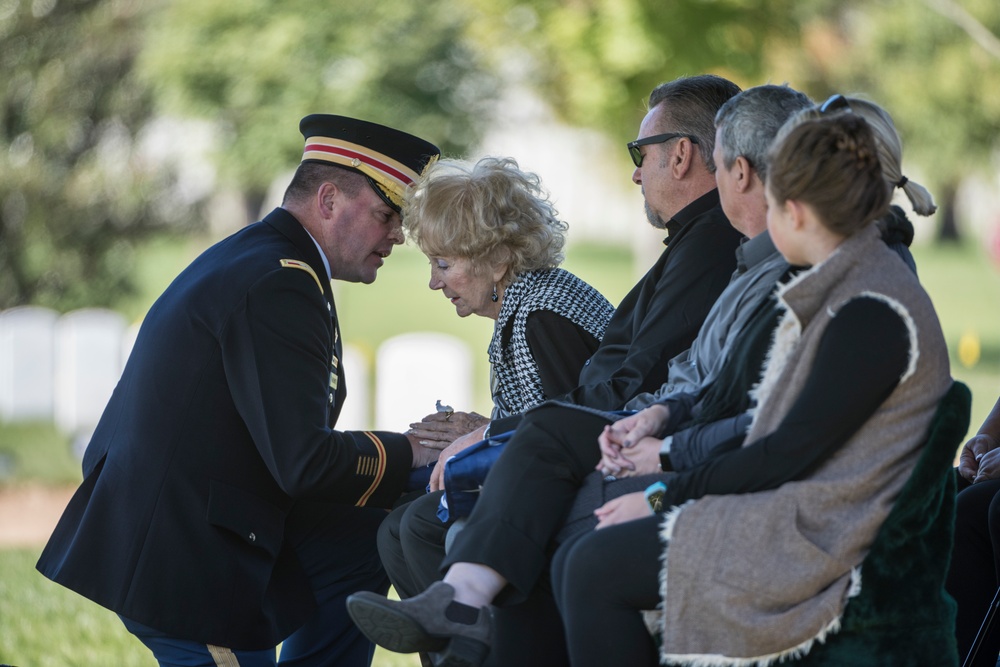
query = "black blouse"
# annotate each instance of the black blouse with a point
(560, 349)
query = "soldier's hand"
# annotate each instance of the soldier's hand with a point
(422, 454)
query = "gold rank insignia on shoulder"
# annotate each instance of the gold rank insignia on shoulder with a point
(298, 264)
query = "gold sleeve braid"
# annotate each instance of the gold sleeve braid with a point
(372, 467)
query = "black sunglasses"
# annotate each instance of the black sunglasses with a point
(836, 103)
(633, 146)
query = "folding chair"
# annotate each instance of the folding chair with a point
(984, 631)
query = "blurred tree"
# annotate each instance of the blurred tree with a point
(75, 193)
(934, 65)
(437, 67)
(256, 67)
(597, 60)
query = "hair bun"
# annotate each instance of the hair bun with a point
(862, 152)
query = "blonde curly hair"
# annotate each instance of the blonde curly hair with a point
(490, 212)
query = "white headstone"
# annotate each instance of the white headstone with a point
(413, 371)
(88, 366)
(27, 363)
(356, 414)
(128, 341)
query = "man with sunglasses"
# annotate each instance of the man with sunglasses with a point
(655, 322)
(745, 127)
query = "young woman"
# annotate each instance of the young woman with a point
(761, 547)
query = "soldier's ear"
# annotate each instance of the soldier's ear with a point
(327, 197)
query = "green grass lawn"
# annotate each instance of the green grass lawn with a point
(965, 286)
(44, 624)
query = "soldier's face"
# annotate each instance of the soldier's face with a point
(359, 236)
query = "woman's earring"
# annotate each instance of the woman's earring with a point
(493, 297)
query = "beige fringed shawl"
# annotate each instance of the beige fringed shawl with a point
(749, 579)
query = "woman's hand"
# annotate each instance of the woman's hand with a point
(978, 461)
(989, 466)
(439, 429)
(464, 442)
(642, 458)
(629, 507)
(627, 433)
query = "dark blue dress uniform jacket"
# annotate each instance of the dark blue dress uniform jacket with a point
(217, 438)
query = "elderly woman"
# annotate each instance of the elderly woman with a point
(494, 242)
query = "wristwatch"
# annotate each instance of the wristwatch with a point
(665, 463)
(654, 496)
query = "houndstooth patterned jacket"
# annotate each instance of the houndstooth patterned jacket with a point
(515, 380)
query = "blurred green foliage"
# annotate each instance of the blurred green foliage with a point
(74, 196)
(81, 81)
(597, 60)
(922, 63)
(255, 68)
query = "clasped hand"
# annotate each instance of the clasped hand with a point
(980, 459)
(439, 429)
(630, 446)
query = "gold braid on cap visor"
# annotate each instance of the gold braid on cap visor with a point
(392, 176)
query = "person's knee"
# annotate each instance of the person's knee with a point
(579, 574)
(993, 514)
(387, 539)
(977, 507)
(420, 523)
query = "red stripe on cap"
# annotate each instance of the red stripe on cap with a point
(367, 159)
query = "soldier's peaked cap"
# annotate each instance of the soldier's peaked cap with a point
(389, 158)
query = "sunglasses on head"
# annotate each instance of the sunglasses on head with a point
(633, 146)
(836, 103)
